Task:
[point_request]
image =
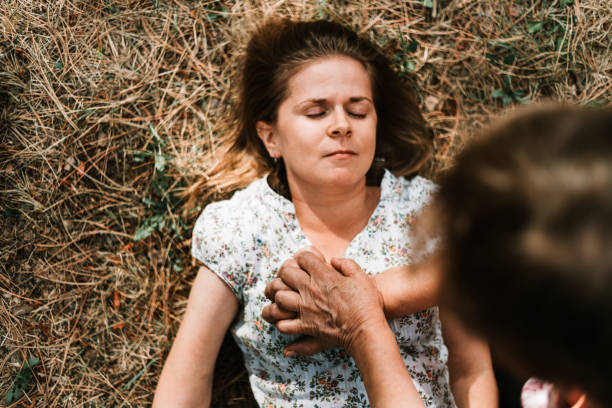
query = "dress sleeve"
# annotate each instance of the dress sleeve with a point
(422, 192)
(217, 242)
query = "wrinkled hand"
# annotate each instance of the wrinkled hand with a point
(306, 345)
(335, 303)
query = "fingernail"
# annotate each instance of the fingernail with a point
(289, 353)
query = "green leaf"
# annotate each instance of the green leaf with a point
(160, 185)
(522, 99)
(407, 47)
(176, 264)
(565, 3)
(428, 3)
(595, 103)
(110, 6)
(150, 203)
(175, 20)
(501, 44)
(214, 14)
(139, 158)
(534, 26)
(322, 7)
(509, 59)
(32, 361)
(158, 140)
(412, 47)
(58, 65)
(561, 44)
(176, 227)
(492, 58)
(519, 96)
(156, 222)
(86, 113)
(144, 231)
(506, 99)
(497, 93)
(160, 162)
(507, 82)
(139, 374)
(22, 380)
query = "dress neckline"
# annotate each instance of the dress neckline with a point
(286, 210)
(279, 202)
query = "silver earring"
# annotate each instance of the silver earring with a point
(275, 160)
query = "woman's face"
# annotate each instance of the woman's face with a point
(326, 127)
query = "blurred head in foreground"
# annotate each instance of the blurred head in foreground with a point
(528, 218)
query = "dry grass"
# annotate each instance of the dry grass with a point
(110, 107)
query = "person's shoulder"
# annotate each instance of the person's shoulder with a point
(240, 202)
(222, 237)
(242, 198)
(236, 213)
(413, 189)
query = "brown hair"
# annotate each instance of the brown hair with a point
(274, 53)
(529, 244)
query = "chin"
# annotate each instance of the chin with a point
(345, 177)
(337, 177)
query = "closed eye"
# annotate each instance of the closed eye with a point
(357, 115)
(315, 115)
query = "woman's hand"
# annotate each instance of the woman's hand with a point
(336, 302)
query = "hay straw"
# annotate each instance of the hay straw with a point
(92, 93)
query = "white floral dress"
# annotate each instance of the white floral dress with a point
(245, 239)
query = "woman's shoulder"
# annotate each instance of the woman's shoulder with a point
(223, 236)
(237, 211)
(240, 201)
(416, 189)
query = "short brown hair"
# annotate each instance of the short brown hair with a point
(529, 244)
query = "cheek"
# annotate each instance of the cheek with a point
(370, 131)
(298, 138)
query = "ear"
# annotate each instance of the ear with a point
(267, 134)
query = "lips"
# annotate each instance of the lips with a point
(341, 153)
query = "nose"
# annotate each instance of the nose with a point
(340, 126)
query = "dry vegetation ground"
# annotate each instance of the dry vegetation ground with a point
(108, 108)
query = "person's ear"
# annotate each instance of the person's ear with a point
(269, 137)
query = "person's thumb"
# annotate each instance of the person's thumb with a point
(346, 266)
(306, 346)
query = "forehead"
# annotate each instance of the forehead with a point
(330, 77)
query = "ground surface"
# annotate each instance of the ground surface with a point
(109, 108)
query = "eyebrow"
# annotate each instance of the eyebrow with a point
(321, 101)
(360, 98)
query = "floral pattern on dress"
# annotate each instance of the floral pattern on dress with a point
(245, 239)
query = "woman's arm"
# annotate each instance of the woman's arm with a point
(469, 363)
(186, 379)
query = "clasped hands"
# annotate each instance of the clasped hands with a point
(330, 303)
